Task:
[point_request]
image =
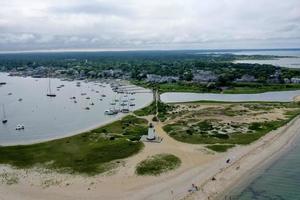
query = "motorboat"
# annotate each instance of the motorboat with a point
(125, 110)
(111, 112)
(20, 127)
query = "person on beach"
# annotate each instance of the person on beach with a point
(194, 188)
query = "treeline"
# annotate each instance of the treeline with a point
(140, 63)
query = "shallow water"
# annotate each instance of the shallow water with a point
(280, 181)
(282, 96)
(46, 118)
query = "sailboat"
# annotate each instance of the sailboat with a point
(4, 120)
(50, 94)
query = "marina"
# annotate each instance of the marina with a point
(32, 115)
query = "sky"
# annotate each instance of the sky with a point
(29, 25)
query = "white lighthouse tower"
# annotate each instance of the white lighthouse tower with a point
(151, 132)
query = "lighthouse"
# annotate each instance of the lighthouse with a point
(151, 132)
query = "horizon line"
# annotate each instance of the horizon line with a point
(136, 50)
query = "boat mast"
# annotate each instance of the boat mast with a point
(50, 94)
(4, 114)
(49, 85)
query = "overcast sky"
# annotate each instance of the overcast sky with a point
(148, 24)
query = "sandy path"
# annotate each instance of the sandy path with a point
(297, 98)
(197, 167)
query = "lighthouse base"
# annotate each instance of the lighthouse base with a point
(157, 139)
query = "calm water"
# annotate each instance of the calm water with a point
(174, 97)
(46, 118)
(280, 181)
(283, 62)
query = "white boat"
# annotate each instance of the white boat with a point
(20, 127)
(111, 112)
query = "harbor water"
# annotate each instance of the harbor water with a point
(45, 118)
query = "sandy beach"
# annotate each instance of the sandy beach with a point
(198, 166)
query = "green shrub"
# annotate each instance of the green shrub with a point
(158, 164)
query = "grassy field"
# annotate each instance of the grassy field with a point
(158, 164)
(260, 88)
(191, 128)
(162, 110)
(87, 153)
(149, 110)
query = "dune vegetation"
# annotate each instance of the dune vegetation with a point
(88, 153)
(158, 164)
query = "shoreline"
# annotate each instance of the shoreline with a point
(259, 155)
(253, 173)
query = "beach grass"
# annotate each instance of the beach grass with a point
(158, 164)
(213, 133)
(88, 153)
(220, 147)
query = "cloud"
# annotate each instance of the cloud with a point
(155, 24)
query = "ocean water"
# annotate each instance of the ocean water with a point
(46, 118)
(279, 181)
(293, 62)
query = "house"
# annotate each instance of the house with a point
(112, 73)
(295, 80)
(202, 76)
(153, 78)
(246, 79)
(286, 80)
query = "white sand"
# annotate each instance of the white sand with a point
(198, 166)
